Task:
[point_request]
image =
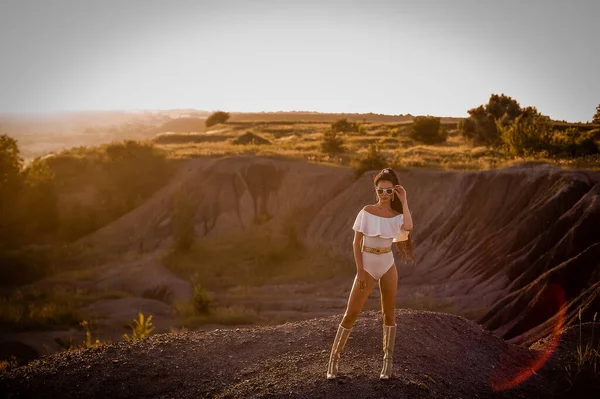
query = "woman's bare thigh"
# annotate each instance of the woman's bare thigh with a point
(357, 300)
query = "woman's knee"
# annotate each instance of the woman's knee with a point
(349, 319)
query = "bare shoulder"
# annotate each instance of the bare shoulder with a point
(369, 207)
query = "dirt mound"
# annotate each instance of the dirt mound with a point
(250, 138)
(436, 355)
(146, 278)
(508, 247)
(229, 194)
(511, 245)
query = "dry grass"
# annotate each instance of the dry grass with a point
(8, 364)
(585, 369)
(301, 140)
(49, 307)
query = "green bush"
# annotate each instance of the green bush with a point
(10, 185)
(332, 142)
(217, 117)
(573, 143)
(40, 200)
(372, 160)
(393, 132)
(428, 130)
(202, 299)
(360, 128)
(481, 128)
(503, 108)
(485, 123)
(118, 177)
(343, 126)
(530, 133)
(596, 117)
(10, 161)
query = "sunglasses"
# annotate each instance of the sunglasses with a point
(387, 191)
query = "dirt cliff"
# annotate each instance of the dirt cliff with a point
(510, 246)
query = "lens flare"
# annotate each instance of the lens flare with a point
(526, 372)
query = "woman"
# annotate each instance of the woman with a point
(376, 228)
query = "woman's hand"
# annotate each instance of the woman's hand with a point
(361, 279)
(400, 192)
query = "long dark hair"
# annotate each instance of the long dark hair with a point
(405, 248)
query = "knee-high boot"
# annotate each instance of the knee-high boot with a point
(338, 346)
(389, 339)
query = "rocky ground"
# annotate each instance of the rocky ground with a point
(436, 356)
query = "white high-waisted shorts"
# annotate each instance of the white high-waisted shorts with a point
(377, 264)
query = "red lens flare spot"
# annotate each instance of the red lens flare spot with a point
(501, 383)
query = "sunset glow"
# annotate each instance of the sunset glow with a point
(395, 57)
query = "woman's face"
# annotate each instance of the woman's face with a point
(384, 190)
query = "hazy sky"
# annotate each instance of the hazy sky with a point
(396, 56)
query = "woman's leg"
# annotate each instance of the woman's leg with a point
(355, 304)
(356, 301)
(388, 286)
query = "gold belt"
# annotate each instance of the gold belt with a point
(376, 251)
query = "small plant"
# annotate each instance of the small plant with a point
(332, 142)
(360, 128)
(586, 369)
(202, 299)
(393, 132)
(89, 342)
(371, 161)
(141, 328)
(175, 330)
(9, 364)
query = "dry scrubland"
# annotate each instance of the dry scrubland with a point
(302, 140)
(50, 289)
(392, 139)
(77, 191)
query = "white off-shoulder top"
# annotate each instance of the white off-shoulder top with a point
(379, 226)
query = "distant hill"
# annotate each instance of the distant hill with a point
(182, 125)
